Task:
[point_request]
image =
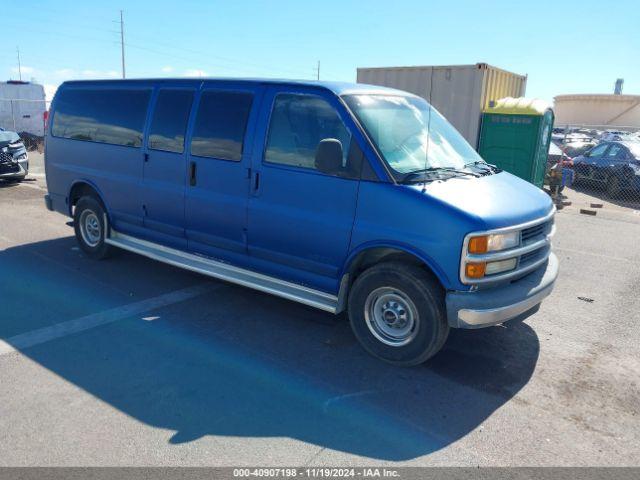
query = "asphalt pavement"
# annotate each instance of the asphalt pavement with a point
(129, 361)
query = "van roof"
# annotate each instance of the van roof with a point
(339, 88)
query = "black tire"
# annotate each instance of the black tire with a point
(426, 298)
(15, 179)
(89, 211)
(613, 187)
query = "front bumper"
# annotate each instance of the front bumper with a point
(17, 169)
(482, 308)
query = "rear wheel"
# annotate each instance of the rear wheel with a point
(88, 223)
(397, 312)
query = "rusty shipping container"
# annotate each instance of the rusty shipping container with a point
(459, 92)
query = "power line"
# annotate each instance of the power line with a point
(233, 63)
(298, 71)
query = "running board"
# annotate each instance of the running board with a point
(223, 271)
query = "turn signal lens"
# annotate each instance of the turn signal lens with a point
(479, 244)
(475, 270)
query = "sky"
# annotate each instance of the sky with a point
(563, 46)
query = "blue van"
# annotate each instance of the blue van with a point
(344, 197)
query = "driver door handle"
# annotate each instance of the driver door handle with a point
(192, 173)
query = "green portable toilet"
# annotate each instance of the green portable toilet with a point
(515, 136)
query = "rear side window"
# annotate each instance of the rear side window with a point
(101, 115)
(599, 150)
(298, 124)
(170, 118)
(616, 150)
(220, 125)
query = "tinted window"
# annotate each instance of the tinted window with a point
(220, 125)
(598, 151)
(170, 119)
(105, 116)
(298, 123)
(616, 150)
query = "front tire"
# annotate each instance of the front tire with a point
(88, 223)
(15, 179)
(397, 313)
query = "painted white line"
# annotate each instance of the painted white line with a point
(59, 330)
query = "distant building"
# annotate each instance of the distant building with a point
(598, 110)
(22, 107)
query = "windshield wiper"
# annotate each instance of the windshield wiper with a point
(411, 176)
(484, 165)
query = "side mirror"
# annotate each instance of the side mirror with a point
(329, 156)
(586, 154)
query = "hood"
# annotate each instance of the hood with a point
(494, 201)
(7, 137)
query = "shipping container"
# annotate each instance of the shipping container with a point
(459, 92)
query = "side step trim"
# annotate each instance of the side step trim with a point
(212, 268)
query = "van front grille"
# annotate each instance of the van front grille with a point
(533, 251)
(529, 234)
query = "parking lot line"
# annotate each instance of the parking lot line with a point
(69, 327)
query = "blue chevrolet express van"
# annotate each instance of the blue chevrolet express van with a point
(344, 197)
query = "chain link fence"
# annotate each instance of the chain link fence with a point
(595, 164)
(27, 118)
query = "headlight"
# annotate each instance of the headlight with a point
(635, 168)
(494, 243)
(16, 145)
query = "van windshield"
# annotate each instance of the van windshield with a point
(407, 138)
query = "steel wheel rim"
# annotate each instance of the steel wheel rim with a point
(391, 316)
(90, 228)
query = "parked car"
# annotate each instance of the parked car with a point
(576, 147)
(614, 165)
(616, 136)
(338, 196)
(14, 160)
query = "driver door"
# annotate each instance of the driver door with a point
(300, 219)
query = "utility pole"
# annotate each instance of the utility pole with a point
(318, 71)
(122, 42)
(19, 67)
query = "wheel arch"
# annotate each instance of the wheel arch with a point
(80, 188)
(369, 254)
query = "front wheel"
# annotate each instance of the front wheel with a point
(397, 313)
(88, 223)
(16, 179)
